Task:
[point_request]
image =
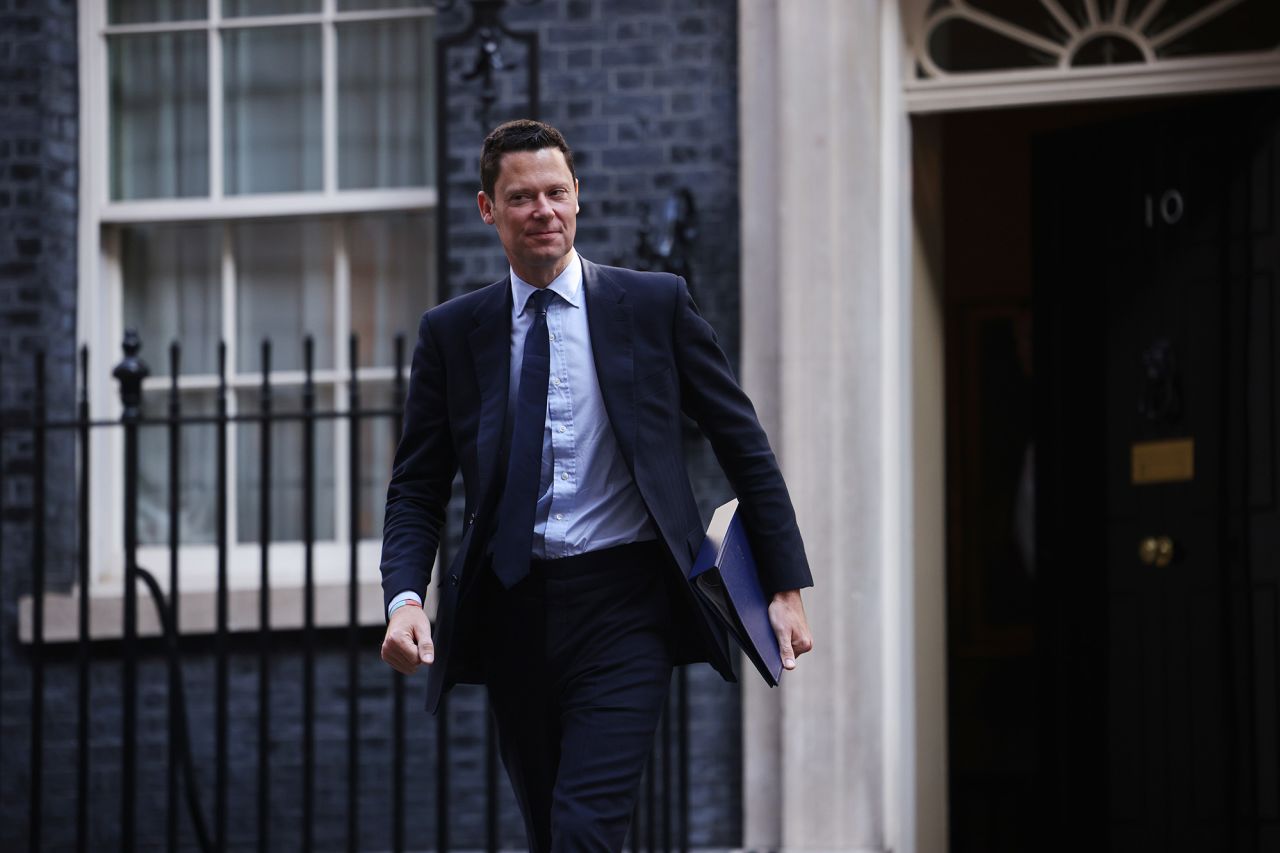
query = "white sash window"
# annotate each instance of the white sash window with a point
(253, 169)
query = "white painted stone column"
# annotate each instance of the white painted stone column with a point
(815, 771)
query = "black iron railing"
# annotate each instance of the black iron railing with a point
(195, 816)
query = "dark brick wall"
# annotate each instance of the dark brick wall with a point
(646, 93)
(38, 205)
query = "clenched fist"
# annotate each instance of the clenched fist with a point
(407, 644)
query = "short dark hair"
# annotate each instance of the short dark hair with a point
(522, 134)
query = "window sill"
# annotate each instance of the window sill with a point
(197, 602)
(198, 611)
(258, 205)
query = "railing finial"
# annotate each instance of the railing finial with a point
(129, 373)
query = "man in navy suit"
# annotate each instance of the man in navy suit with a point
(558, 392)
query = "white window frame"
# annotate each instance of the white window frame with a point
(100, 326)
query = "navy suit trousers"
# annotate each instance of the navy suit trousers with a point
(579, 663)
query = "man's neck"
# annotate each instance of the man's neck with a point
(542, 276)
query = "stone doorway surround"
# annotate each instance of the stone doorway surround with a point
(822, 756)
(842, 352)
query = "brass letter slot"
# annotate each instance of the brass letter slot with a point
(1170, 461)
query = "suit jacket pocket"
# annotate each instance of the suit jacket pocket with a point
(655, 383)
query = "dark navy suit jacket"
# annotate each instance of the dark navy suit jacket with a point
(655, 357)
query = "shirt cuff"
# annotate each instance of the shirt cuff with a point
(407, 595)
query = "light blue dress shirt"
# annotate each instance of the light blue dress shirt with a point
(587, 499)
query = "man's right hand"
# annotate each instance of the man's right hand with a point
(408, 641)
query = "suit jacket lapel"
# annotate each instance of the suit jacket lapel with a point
(610, 321)
(490, 344)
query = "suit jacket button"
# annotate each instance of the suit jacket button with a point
(453, 580)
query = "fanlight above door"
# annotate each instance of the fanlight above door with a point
(1188, 45)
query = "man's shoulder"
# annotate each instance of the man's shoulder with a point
(450, 312)
(625, 274)
(473, 299)
(638, 284)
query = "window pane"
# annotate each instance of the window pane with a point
(197, 472)
(172, 292)
(385, 104)
(959, 45)
(1033, 17)
(1252, 25)
(1106, 50)
(288, 500)
(392, 260)
(363, 5)
(378, 439)
(236, 8)
(272, 134)
(284, 291)
(149, 11)
(159, 115)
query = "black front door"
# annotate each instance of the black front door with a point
(1158, 523)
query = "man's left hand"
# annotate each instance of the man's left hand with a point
(786, 615)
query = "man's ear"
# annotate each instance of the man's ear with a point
(577, 196)
(486, 207)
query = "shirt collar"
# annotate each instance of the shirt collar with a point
(567, 285)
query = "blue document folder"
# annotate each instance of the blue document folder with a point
(724, 576)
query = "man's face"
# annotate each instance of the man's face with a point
(535, 209)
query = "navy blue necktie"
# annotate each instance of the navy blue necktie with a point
(513, 543)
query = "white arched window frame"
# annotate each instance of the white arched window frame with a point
(1147, 29)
